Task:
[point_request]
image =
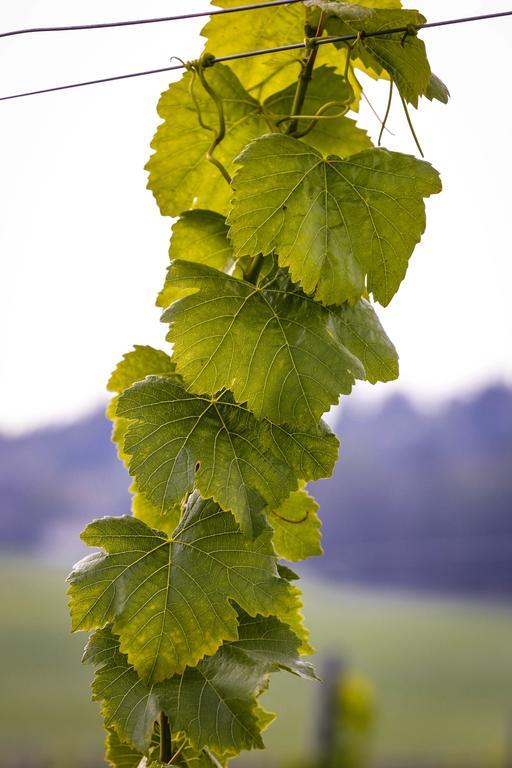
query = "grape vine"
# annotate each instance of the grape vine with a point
(289, 224)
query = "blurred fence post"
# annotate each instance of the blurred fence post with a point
(329, 719)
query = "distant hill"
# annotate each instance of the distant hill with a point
(423, 500)
(418, 500)
(54, 481)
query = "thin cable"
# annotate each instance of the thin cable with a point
(92, 82)
(264, 51)
(137, 22)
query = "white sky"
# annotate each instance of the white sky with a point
(84, 249)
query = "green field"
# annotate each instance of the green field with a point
(442, 672)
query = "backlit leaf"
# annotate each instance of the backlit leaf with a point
(403, 57)
(169, 597)
(214, 705)
(331, 135)
(296, 527)
(359, 329)
(342, 226)
(286, 355)
(144, 510)
(180, 442)
(271, 345)
(180, 176)
(200, 236)
(253, 30)
(140, 362)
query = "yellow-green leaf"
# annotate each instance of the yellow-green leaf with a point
(179, 442)
(403, 57)
(214, 704)
(297, 528)
(342, 226)
(180, 176)
(331, 134)
(169, 598)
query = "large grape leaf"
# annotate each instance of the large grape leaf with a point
(341, 225)
(214, 704)
(169, 597)
(180, 441)
(297, 527)
(335, 135)
(268, 28)
(180, 176)
(271, 345)
(404, 58)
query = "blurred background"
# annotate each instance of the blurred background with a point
(411, 606)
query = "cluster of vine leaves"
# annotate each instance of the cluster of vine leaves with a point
(289, 220)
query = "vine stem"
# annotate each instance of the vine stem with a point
(411, 126)
(221, 132)
(308, 64)
(165, 739)
(388, 109)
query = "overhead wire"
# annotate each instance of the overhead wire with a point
(266, 51)
(158, 20)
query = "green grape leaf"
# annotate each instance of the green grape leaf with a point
(286, 355)
(331, 135)
(169, 598)
(297, 527)
(214, 704)
(268, 640)
(118, 754)
(271, 345)
(286, 572)
(268, 28)
(265, 28)
(358, 328)
(121, 755)
(180, 176)
(404, 58)
(144, 510)
(180, 441)
(140, 362)
(127, 705)
(200, 236)
(437, 90)
(341, 226)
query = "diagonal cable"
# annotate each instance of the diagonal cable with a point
(262, 52)
(158, 20)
